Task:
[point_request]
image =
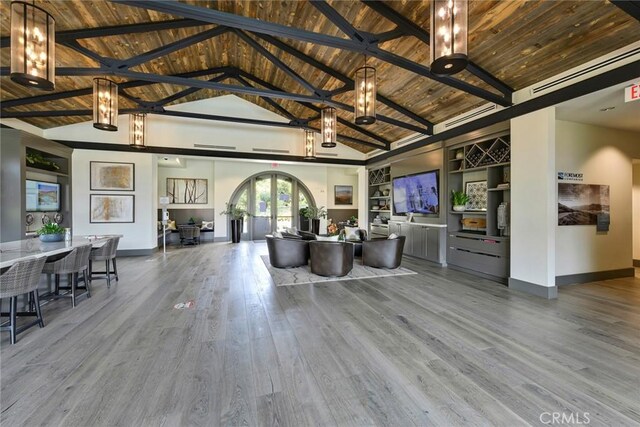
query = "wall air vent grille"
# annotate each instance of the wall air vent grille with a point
(270, 150)
(215, 147)
(327, 154)
(474, 114)
(564, 80)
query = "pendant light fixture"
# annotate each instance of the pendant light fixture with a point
(309, 144)
(105, 104)
(365, 107)
(33, 44)
(137, 130)
(449, 29)
(329, 119)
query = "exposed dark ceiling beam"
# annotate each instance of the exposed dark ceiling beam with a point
(338, 20)
(631, 8)
(59, 113)
(65, 71)
(388, 35)
(269, 101)
(73, 44)
(263, 27)
(189, 91)
(412, 29)
(116, 30)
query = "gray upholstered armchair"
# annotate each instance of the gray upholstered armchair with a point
(284, 253)
(383, 253)
(331, 258)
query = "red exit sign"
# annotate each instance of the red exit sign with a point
(632, 93)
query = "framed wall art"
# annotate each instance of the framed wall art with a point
(477, 192)
(192, 191)
(343, 194)
(112, 176)
(580, 204)
(112, 208)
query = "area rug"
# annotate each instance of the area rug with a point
(302, 275)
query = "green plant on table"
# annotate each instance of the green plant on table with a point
(459, 198)
(51, 228)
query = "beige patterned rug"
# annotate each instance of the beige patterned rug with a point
(302, 275)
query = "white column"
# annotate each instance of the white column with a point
(534, 206)
(363, 201)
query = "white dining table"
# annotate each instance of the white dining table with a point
(17, 250)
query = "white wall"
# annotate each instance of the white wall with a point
(142, 234)
(636, 210)
(194, 168)
(604, 156)
(341, 176)
(533, 189)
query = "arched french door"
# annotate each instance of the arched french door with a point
(274, 200)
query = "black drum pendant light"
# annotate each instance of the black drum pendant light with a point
(309, 144)
(365, 108)
(33, 46)
(449, 29)
(105, 104)
(137, 130)
(328, 127)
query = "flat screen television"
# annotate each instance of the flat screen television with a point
(417, 193)
(42, 196)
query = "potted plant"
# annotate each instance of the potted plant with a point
(353, 221)
(314, 214)
(236, 215)
(51, 232)
(459, 200)
(304, 219)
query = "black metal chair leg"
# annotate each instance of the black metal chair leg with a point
(115, 269)
(13, 308)
(106, 263)
(57, 282)
(86, 283)
(74, 285)
(36, 299)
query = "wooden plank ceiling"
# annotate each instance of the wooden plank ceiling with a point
(518, 42)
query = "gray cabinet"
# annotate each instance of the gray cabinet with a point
(421, 240)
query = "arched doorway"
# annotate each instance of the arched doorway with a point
(274, 200)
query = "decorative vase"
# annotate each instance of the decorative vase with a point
(52, 237)
(236, 230)
(458, 208)
(315, 225)
(459, 154)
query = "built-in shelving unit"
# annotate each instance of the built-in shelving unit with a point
(476, 241)
(379, 202)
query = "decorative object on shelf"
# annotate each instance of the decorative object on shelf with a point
(386, 192)
(353, 221)
(137, 130)
(57, 218)
(477, 192)
(236, 217)
(37, 160)
(51, 233)
(112, 176)
(29, 219)
(504, 220)
(112, 208)
(309, 144)
(449, 26)
(506, 174)
(332, 228)
(474, 223)
(459, 154)
(503, 186)
(343, 194)
(580, 204)
(458, 200)
(377, 193)
(365, 102)
(33, 41)
(409, 217)
(105, 104)
(329, 127)
(187, 191)
(375, 208)
(45, 219)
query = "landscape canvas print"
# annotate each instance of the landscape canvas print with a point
(112, 208)
(343, 194)
(187, 191)
(112, 176)
(580, 204)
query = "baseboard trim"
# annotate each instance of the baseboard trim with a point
(548, 292)
(636, 262)
(575, 279)
(135, 252)
(221, 239)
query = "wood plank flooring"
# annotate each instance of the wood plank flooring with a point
(438, 348)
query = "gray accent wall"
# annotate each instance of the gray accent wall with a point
(12, 182)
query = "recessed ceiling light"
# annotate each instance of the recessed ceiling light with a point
(607, 109)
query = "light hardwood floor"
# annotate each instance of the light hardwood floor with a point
(439, 348)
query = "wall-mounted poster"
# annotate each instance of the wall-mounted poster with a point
(112, 176)
(343, 194)
(187, 191)
(477, 192)
(580, 204)
(112, 208)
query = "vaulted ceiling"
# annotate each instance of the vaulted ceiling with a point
(512, 44)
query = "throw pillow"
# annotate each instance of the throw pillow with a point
(171, 225)
(207, 225)
(351, 233)
(277, 234)
(292, 230)
(393, 236)
(327, 238)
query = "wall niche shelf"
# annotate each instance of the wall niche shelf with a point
(379, 183)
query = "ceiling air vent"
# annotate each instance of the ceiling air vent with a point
(270, 150)
(327, 154)
(576, 73)
(471, 115)
(215, 147)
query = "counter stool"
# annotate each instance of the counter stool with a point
(106, 253)
(76, 262)
(22, 278)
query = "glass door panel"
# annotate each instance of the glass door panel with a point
(262, 209)
(284, 203)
